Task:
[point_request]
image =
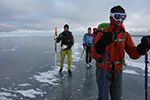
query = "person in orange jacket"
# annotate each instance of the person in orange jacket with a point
(118, 41)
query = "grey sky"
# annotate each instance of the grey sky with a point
(79, 14)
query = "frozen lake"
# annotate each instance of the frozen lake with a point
(27, 72)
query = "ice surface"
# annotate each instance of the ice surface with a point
(46, 52)
(7, 78)
(4, 98)
(130, 72)
(76, 52)
(7, 50)
(136, 64)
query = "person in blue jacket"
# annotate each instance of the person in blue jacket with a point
(87, 44)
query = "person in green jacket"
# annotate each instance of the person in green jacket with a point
(67, 41)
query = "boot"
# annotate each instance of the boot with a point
(69, 71)
(88, 65)
(60, 71)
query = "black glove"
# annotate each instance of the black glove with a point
(104, 41)
(145, 43)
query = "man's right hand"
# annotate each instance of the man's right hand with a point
(55, 38)
(84, 46)
(145, 43)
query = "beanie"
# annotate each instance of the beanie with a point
(89, 28)
(117, 9)
(66, 26)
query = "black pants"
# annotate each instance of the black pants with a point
(88, 55)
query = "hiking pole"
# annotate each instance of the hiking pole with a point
(104, 75)
(81, 54)
(55, 48)
(146, 74)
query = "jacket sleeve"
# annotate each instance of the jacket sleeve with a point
(59, 37)
(130, 48)
(84, 39)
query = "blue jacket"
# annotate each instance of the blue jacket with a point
(88, 39)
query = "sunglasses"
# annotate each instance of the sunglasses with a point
(118, 16)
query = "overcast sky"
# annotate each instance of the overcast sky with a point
(79, 14)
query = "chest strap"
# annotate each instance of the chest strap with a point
(119, 40)
(124, 37)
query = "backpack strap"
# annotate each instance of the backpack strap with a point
(124, 37)
(86, 38)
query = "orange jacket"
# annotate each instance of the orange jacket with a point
(116, 50)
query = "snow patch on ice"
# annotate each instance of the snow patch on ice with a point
(4, 95)
(4, 89)
(30, 93)
(46, 77)
(24, 84)
(51, 76)
(131, 72)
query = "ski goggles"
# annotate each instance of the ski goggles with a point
(118, 16)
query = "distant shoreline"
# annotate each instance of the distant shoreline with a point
(138, 35)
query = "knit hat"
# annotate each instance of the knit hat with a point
(66, 26)
(89, 28)
(117, 9)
